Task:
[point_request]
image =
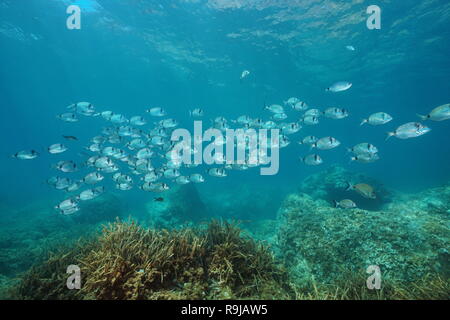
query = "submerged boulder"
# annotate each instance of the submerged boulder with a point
(331, 184)
(320, 242)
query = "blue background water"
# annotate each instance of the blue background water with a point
(131, 55)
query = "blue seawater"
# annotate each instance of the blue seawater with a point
(129, 56)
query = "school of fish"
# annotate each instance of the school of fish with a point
(132, 153)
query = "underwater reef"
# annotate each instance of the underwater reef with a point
(409, 240)
(308, 250)
(127, 261)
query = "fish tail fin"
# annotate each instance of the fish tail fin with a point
(353, 158)
(389, 134)
(349, 186)
(423, 118)
(335, 203)
(312, 146)
(363, 122)
(302, 159)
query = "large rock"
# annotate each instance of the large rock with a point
(407, 240)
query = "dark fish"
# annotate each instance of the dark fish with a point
(70, 138)
(159, 199)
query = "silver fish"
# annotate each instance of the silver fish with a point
(245, 74)
(156, 112)
(151, 177)
(409, 130)
(138, 121)
(269, 125)
(74, 186)
(57, 148)
(339, 86)
(91, 193)
(26, 155)
(125, 131)
(310, 120)
(377, 119)
(335, 113)
(196, 112)
(326, 143)
(438, 114)
(103, 162)
(118, 118)
(93, 178)
(124, 186)
(291, 128)
(279, 117)
(69, 211)
(196, 178)
(66, 166)
(363, 148)
(182, 180)
(84, 108)
(98, 139)
(291, 101)
(155, 186)
(168, 123)
(66, 204)
(107, 115)
(365, 157)
(312, 112)
(300, 106)
(136, 144)
(217, 172)
(309, 140)
(171, 173)
(68, 117)
(243, 120)
(312, 160)
(275, 108)
(59, 183)
(144, 153)
(345, 204)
